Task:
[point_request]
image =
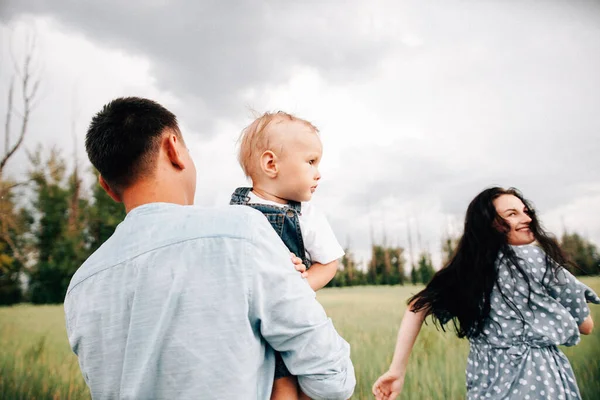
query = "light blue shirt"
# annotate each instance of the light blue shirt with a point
(184, 302)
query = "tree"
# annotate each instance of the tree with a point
(425, 270)
(349, 267)
(13, 251)
(59, 234)
(10, 291)
(386, 266)
(414, 275)
(449, 245)
(104, 216)
(397, 261)
(583, 253)
(13, 224)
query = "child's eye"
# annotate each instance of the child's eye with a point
(311, 162)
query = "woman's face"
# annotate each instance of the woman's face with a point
(514, 212)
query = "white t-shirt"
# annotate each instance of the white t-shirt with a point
(319, 241)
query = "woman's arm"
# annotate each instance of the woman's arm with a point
(389, 385)
(407, 335)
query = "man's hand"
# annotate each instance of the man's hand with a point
(299, 266)
(388, 386)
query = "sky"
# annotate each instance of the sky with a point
(420, 105)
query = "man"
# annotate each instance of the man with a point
(186, 302)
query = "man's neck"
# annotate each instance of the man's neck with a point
(147, 192)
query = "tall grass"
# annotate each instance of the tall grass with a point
(369, 317)
(36, 361)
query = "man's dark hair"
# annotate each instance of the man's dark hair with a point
(123, 139)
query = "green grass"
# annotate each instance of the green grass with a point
(36, 361)
(369, 317)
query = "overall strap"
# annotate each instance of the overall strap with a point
(296, 206)
(240, 196)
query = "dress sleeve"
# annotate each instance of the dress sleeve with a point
(571, 293)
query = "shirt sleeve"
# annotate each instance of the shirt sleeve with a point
(294, 323)
(319, 240)
(571, 293)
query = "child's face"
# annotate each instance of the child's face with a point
(298, 174)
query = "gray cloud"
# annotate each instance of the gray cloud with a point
(498, 94)
(210, 52)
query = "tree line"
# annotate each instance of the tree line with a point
(50, 224)
(388, 266)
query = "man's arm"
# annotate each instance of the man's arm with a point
(293, 322)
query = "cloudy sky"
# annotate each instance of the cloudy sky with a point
(421, 105)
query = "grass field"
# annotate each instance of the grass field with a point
(36, 361)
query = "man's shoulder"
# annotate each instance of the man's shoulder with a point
(238, 219)
(147, 232)
(189, 222)
(225, 214)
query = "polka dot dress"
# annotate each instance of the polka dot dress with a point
(516, 356)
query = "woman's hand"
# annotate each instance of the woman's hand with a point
(388, 386)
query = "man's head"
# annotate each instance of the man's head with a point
(134, 141)
(280, 154)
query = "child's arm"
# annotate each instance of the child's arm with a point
(389, 385)
(319, 275)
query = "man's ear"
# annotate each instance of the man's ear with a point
(113, 195)
(173, 146)
(268, 164)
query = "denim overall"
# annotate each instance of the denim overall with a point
(287, 225)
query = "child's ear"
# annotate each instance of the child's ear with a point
(268, 164)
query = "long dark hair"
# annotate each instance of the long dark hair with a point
(460, 291)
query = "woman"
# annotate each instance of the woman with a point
(514, 302)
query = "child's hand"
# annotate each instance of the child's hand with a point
(299, 266)
(388, 386)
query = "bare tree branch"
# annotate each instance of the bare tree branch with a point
(29, 93)
(24, 82)
(16, 251)
(8, 115)
(5, 190)
(13, 58)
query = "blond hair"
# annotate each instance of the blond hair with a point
(254, 140)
